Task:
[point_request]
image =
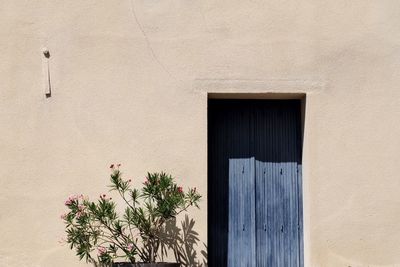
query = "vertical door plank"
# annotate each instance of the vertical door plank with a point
(241, 235)
(262, 252)
(300, 216)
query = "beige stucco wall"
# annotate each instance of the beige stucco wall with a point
(130, 83)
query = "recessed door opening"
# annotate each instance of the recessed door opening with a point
(255, 206)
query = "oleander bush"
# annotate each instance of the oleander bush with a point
(101, 236)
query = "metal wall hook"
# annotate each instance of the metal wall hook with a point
(46, 72)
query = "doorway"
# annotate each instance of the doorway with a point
(255, 183)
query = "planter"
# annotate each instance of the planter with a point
(157, 264)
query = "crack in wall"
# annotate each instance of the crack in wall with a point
(153, 54)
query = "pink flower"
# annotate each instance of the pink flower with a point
(79, 214)
(64, 216)
(130, 247)
(71, 199)
(101, 250)
(104, 197)
(180, 190)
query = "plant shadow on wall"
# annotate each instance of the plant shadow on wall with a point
(146, 231)
(182, 241)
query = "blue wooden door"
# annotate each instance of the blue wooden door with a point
(264, 227)
(255, 199)
(278, 185)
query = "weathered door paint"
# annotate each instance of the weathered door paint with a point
(277, 220)
(255, 200)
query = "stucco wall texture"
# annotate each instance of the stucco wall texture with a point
(130, 81)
